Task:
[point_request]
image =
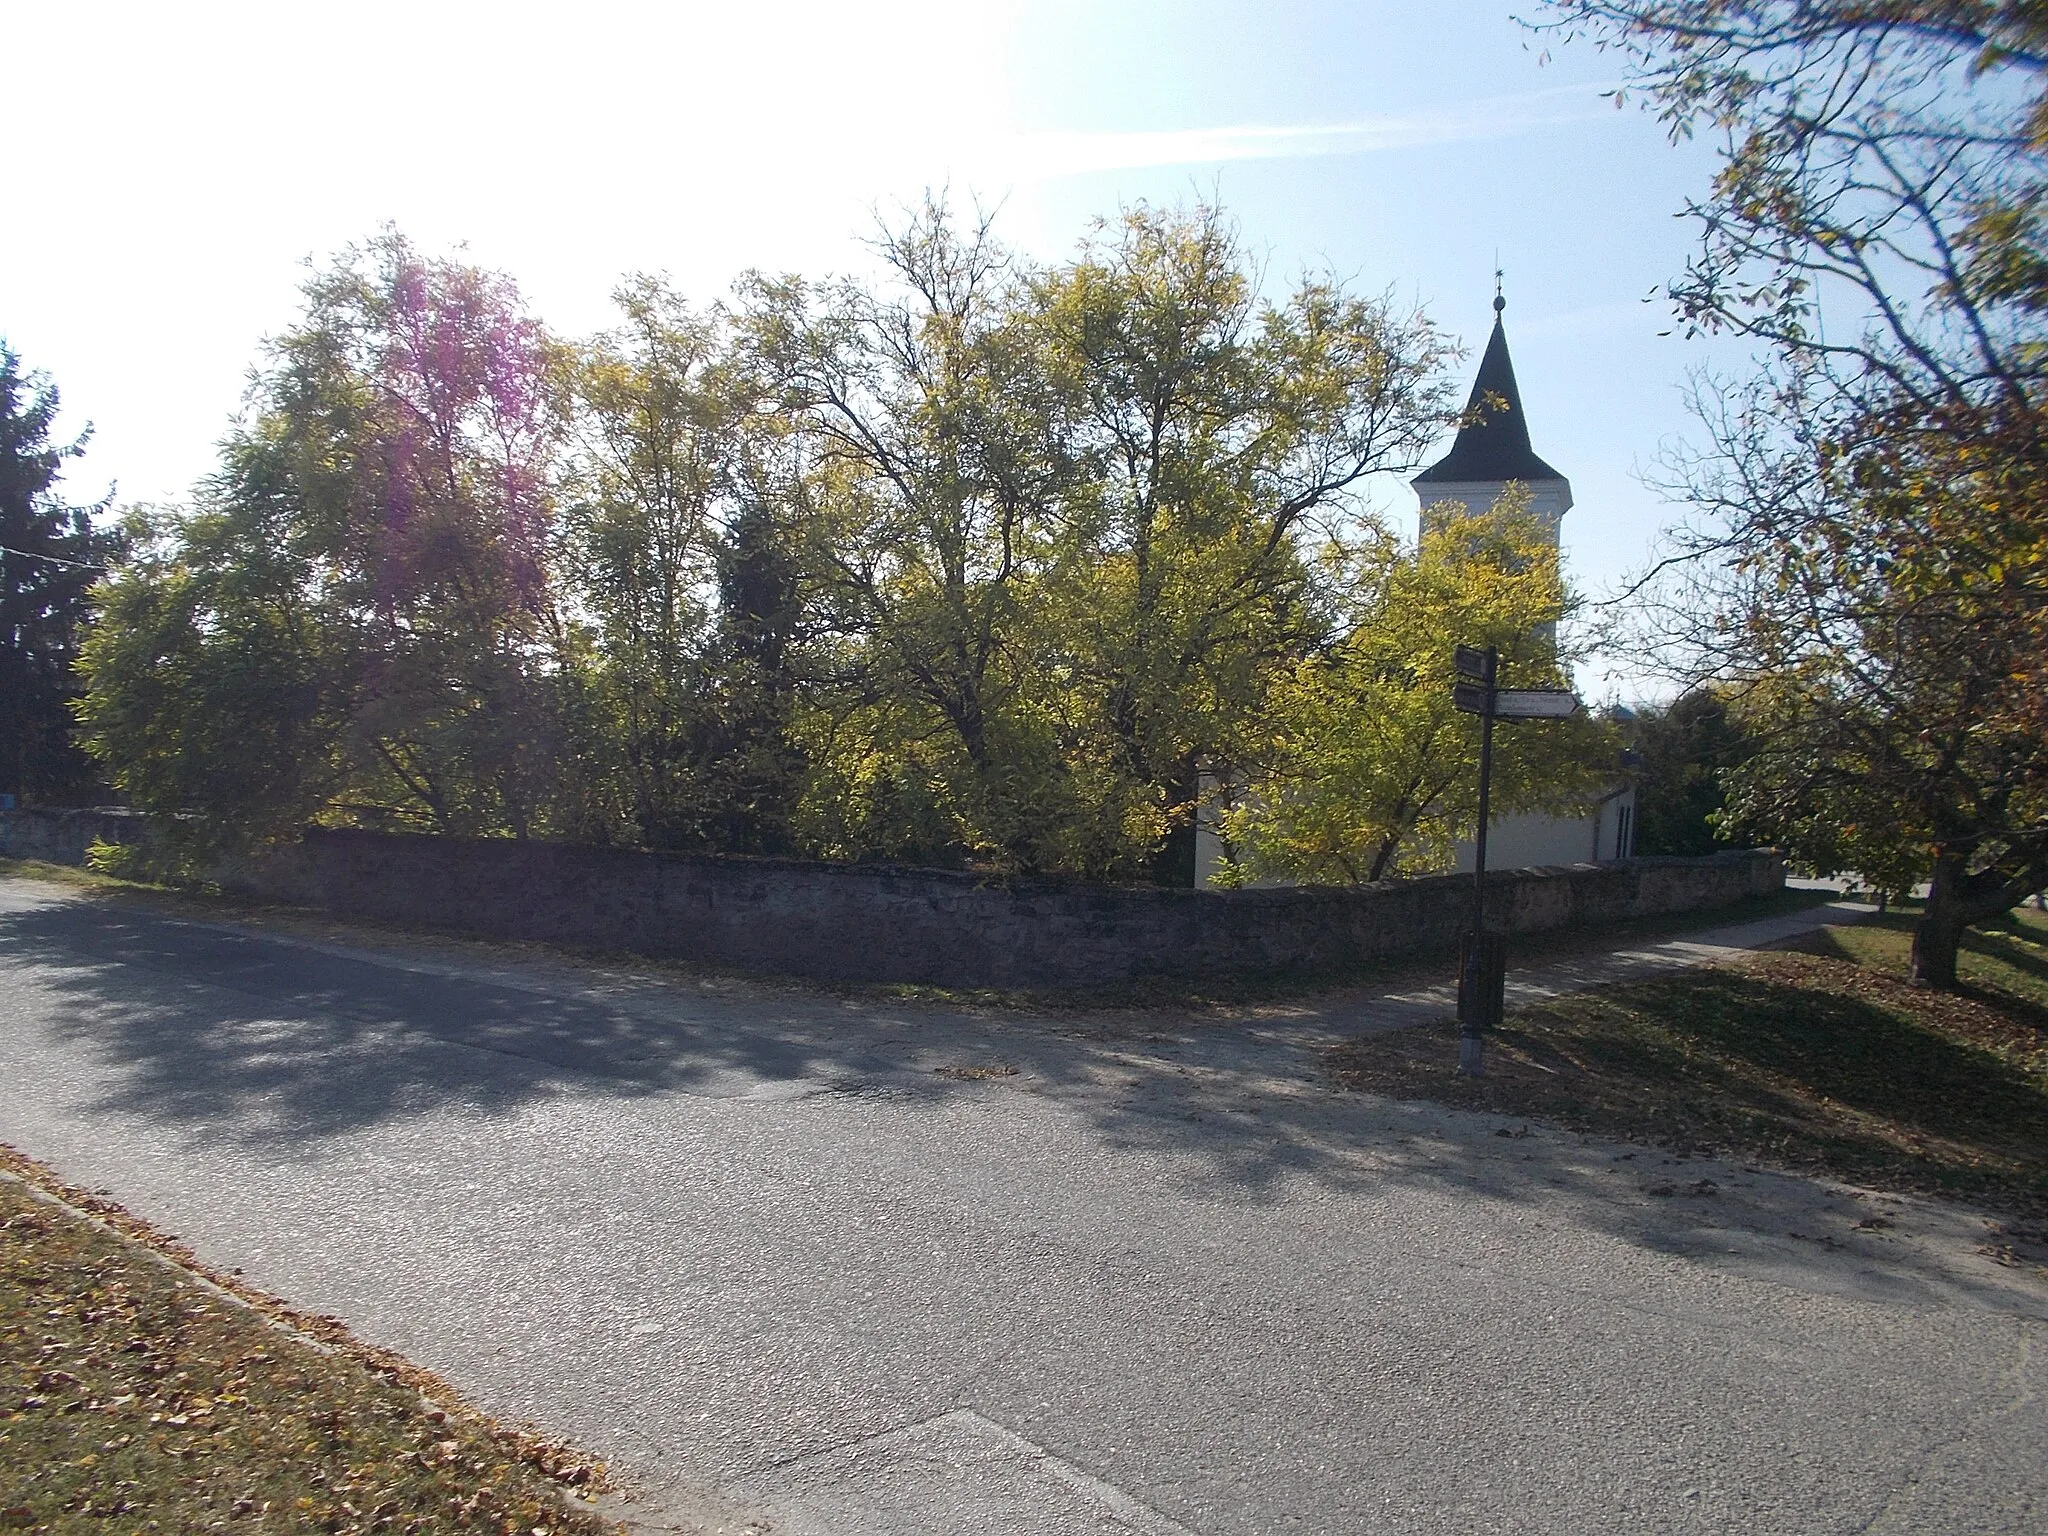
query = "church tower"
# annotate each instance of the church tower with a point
(1493, 448)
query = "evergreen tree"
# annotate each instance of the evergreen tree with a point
(748, 765)
(49, 557)
(1685, 747)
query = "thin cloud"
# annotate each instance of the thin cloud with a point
(1632, 315)
(1043, 156)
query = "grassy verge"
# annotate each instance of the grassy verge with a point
(67, 874)
(138, 1394)
(1822, 1059)
(178, 901)
(1142, 995)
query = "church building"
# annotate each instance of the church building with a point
(1493, 449)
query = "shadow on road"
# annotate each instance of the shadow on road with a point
(243, 1035)
(256, 1036)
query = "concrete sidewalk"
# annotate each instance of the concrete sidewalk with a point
(1631, 962)
(1259, 1040)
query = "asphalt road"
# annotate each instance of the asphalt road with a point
(752, 1246)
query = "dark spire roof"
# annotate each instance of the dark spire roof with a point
(1494, 442)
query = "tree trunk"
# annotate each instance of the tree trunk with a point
(1174, 862)
(1939, 933)
(1956, 899)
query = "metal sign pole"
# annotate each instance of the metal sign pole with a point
(1472, 1016)
(1482, 972)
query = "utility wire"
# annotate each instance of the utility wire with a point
(27, 554)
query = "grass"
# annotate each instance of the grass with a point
(1822, 1059)
(66, 874)
(137, 1394)
(180, 900)
(2006, 961)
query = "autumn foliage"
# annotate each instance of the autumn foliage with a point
(983, 562)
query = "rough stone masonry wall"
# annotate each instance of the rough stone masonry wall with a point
(872, 923)
(62, 837)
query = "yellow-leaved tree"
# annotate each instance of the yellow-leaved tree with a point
(1365, 770)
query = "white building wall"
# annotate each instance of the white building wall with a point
(1549, 500)
(1605, 832)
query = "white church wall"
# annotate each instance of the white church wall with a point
(1549, 500)
(1604, 833)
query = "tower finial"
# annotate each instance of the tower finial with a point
(1499, 303)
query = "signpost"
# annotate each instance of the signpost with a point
(1482, 968)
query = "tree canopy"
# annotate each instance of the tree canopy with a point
(357, 618)
(979, 562)
(1868, 574)
(50, 556)
(1365, 770)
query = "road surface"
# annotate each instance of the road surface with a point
(834, 1267)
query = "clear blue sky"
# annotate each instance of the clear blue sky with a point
(182, 162)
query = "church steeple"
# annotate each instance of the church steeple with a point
(1492, 445)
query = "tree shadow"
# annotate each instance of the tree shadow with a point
(267, 1039)
(2015, 946)
(1851, 1052)
(228, 1034)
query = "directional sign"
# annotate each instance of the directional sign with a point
(1480, 976)
(1534, 703)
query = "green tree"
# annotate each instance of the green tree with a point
(1367, 770)
(1685, 748)
(754, 765)
(1219, 434)
(1869, 573)
(934, 461)
(216, 684)
(359, 621)
(672, 551)
(50, 556)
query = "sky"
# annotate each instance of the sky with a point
(178, 166)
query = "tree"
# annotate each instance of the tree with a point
(753, 762)
(1057, 522)
(980, 563)
(933, 461)
(674, 545)
(1894, 636)
(1220, 436)
(1871, 556)
(50, 555)
(1685, 749)
(1367, 770)
(420, 404)
(217, 684)
(358, 622)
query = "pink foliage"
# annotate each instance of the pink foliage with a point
(461, 371)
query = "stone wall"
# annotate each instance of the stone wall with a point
(878, 923)
(61, 837)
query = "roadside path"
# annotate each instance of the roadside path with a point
(1631, 962)
(837, 1268)
(1313, 1025)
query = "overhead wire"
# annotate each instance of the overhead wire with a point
(29, 554)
